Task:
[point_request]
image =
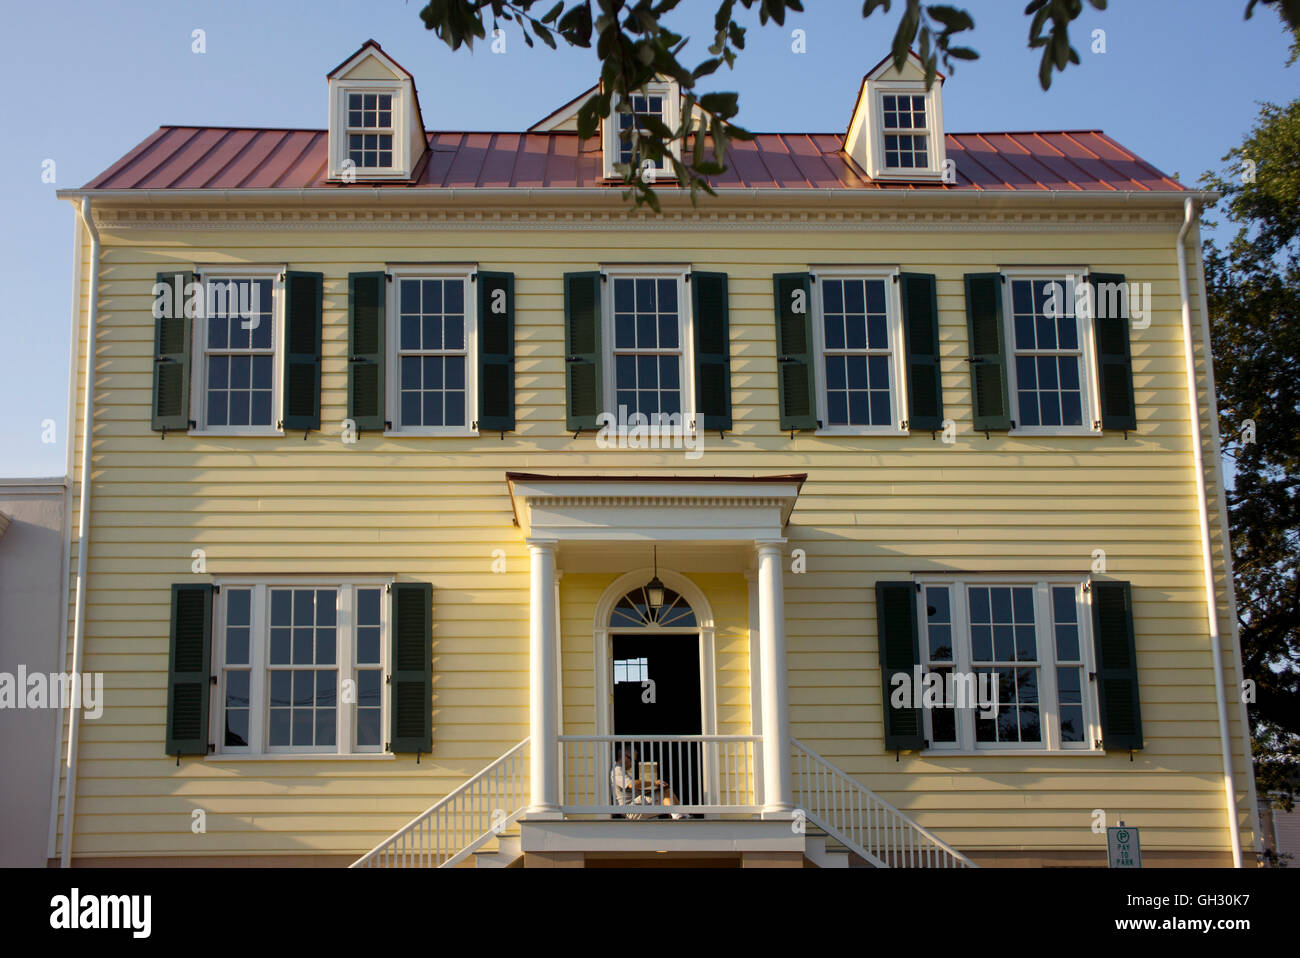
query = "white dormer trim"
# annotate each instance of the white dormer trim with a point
(359, 76)
(670, 91)
(865, 140)
(566, 117)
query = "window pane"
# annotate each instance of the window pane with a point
(943, 721)
(281, 688)
(237, 689)
(279, 646)
(279, 730)
(237, 645)
(239, 606)
(646, 359)
(368, 606)
(236, 728)
(939, 623)
(219, 372)
(368, 727)
(280, 607)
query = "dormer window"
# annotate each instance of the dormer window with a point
(370, 130)
(897, 127)
(376, 131)
(642, 105)
(659, 100)
(907, 136)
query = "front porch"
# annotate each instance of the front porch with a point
(650, 771)
(585, 523)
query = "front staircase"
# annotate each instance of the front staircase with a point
(843, 822)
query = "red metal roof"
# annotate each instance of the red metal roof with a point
(223, 158)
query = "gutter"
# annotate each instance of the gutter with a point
(1203, 515)
(1221, 502)
(70, 423)
(83, 532)
(744, 197)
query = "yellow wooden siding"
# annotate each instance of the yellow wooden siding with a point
(434, 510)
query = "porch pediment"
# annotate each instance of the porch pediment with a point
(653, 508)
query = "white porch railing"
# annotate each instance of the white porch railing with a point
(466, 820)
(862, 821)
(708, 774)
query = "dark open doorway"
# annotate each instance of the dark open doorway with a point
(656, 686)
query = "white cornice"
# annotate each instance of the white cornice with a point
(643, 509)
(618, 220)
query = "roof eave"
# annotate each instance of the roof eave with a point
(611, 195)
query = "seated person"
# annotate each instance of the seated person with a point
(632, 791)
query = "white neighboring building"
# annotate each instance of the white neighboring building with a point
(1281, 832)
(33, 515)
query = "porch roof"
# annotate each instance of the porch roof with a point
(639, 507)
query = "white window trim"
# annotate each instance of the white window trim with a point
(672, 118)
(349, 131)
(1046, 642)
(685, 331)
(897, 360)
(934, 130)
(1090, 392)
(199, 348)
(339, 90)
(259, 670)
(392, 379)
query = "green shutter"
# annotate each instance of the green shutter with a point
(712, 350)
(367, 330)
(1116, 655)
(921, 335)
(496, 351)
(988, 356)
(189, 669)
(796, 381)
(1114, 359)
(900, 651)
(171, 356)
(412, 667)
(302, 338)
(582, 350)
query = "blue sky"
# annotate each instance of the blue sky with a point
(1179, 84)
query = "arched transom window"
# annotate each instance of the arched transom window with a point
(634, 611)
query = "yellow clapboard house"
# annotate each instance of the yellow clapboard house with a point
(438, 510)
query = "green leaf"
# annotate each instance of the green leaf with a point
(953, 20)
(555, 11)
(576, 25)
(706, 68)
(724, 105)
(544, 34)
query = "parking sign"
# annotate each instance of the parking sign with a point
(1123, 847)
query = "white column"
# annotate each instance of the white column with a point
(777, 792)
(544, 699)
(755, 680)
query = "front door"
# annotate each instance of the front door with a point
(656, 685)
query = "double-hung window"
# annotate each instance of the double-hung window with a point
(658, 100)
(1052, 369)
(650, 353)
(858, 334)
(238, 338)
(370, 130)
(432, 386)
(906, 129)
(299, 667)
(1028, 640)
(643, 105)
